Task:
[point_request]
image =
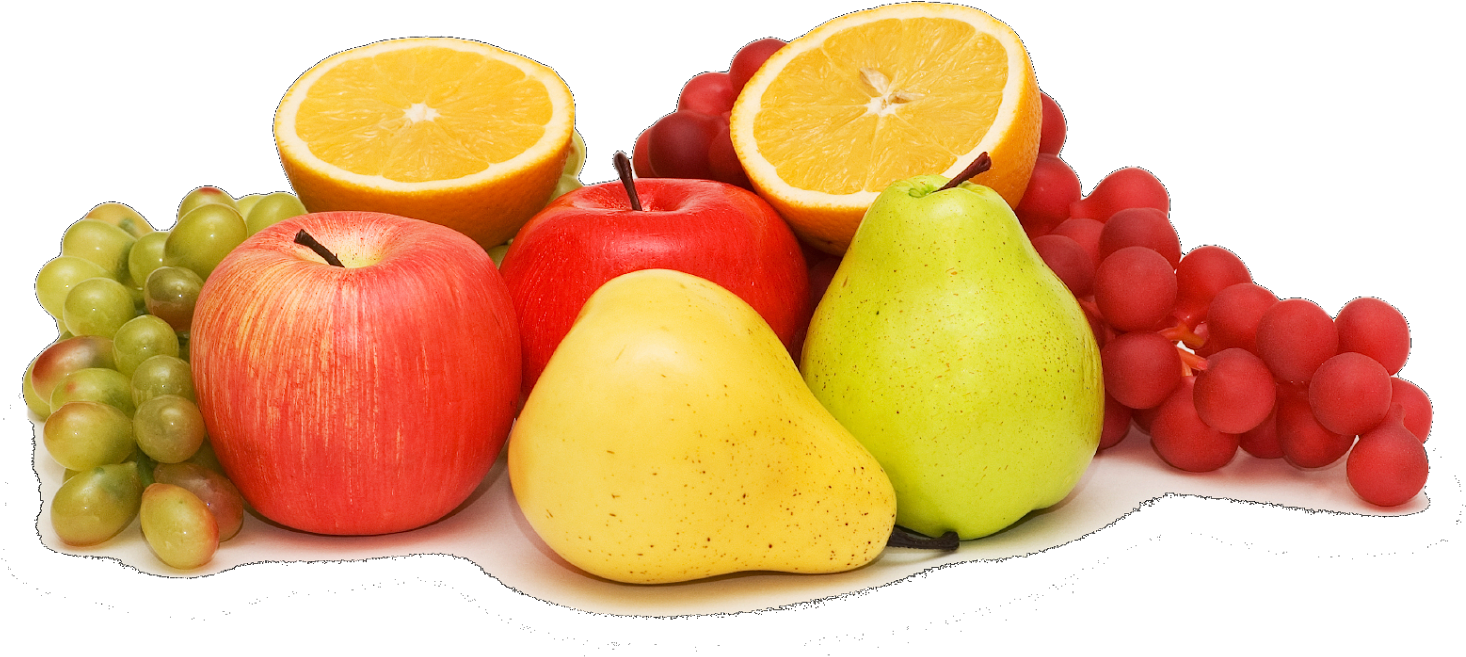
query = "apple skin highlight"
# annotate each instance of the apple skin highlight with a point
(366, 399)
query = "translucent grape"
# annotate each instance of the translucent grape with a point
(213, 489)
(641, 161)
(98, 384)
(723, 161)
(1262, 441)
(122, 216)
(33, 402)
(171, 294)
(162, 375)
(1376, 329)
(141, 338)
(678, 145)
(67, 356)
(100, 242)
(97, 306)
(1294, 337)
(246, 203)
(205, 195)
(749, 58)
(1084, 231)
(1140, 369)
(575, 162)
(272, 209)
(58, 276)
(1116, 424)
(1236, 392)
(1135, 289)
(204, 236)
(169, 428)
(1350, 393)
(96, 504)
(178, 526)
(710, 93)
(82, 435)
(145, 256)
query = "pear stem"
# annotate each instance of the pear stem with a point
(306, 239)
(905, 538)
(623, 167)
(979, 165)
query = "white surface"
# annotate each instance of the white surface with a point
(490, 531)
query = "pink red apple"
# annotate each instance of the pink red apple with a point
(365, 398)
(709, 229)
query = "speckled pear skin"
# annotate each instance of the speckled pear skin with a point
(671, 438)
(948, 348)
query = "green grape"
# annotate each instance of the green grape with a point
(99, 242)
(576, 161)
(33, 401)
(66, 356)
(168, 428)
(183, 346)
(82, 435)
(94, 505)
(145, 256)
(171, 294)
(273, 209)
(145, 465)
(497, 254)
(201, 238)
(566, 185)
(122, 216)
(141, 338)
(58, 276)
(162, 375)
(214, 489)
(98, 384)
(206, 458)
(205, 195)
(97, 306)
(246, 203)
(178, 526)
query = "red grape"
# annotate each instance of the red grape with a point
(1232, 316)
(749, 58)
(1376, 329)
(1201, 274)
(1262, 440)
(723, 160)
(1389, 465)
(1294, 337)
(1053, 129)
(1142, 417)
(1084, 231)
(710, 93)
(678, 145)
(1350, 393)
(1051, 188)
(1417, 406)
(1117, 423)
(1181, 439)
(1236, 392)
(1130, 187)
(1140, 369)
(1305, 442)
(1069, 261)
(1146, 227)
(641, 162)
(1135, 288)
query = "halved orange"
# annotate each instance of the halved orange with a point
(452, 131)
(880, 95)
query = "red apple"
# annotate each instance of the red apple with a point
(366, 398)
(709, 229)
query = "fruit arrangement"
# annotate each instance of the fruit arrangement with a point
(1113, 317)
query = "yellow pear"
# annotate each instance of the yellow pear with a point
(672, 438)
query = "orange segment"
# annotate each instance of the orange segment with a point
(446, 130)
(881, 95)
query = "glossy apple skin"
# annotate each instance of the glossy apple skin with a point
(365, 399)
(709, 229)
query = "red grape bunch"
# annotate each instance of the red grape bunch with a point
(693, 141)
(1208, 362)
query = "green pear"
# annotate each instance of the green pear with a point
(948, 348)
(671, 438)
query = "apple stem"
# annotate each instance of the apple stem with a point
(905, 538)
(305, 239)
(623, 167)
(979, 165)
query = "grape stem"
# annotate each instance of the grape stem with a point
(305, 239)
(979, 165)
(1190, 362)
(904, 538)
(1183, 334)
(623, 167)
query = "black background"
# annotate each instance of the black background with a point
(1301, 142)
